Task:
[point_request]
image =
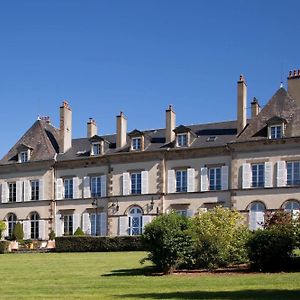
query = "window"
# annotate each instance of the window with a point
(34, 189)
(68, 224)
(11, 220)
(182, 212)
(68, 185)
(96, 186)
(292, 207)
(256, 215)
(136, 143)
(23, 156)
(181, 181)
(258, 175)
(96, 149)
(135, 221)
(214, 179)
(34, 226)
(12, 192)
(275, 131)
(136, 183)
(293, 173)
(211, 138)
(181, 140)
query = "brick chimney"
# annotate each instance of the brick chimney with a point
(241, 104)
(121, 130)
(294, 85)
(65, 127)
(91, 128)
(255, 108)
(170, 124)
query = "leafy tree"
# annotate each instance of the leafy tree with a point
(18, 233)
(78, 231)
(2, 228)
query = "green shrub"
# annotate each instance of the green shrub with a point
(2, 228)
(98, 244)
(79, 232)
(18, 233)
(51, 235)
(4, 245)
(219, 239)
(168, 242)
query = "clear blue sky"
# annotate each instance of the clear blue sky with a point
(139, 56)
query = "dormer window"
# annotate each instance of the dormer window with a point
(136, 143)
(276, 127)
(23, 156)
(275, 132)
(96, 149)
(182, 140)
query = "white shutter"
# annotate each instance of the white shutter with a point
(26, 229)
(4, 192)
(86, 187)
(246, 176)
(58, 225)
(43, 230)
(145, 182)
(103, 224)
(27, 190)
(189, 213)
(126, 184)
(146, 220)
(224, 178)
(190, 180)
(268, 174)
(86, 223)
(281, 173)
(19, 185)
(41, 190)
(76, 188)
(256, 219)
(103, 186)
(204, 179)
(171, 181)
(59, 189)
(123, 225)
(76, 222)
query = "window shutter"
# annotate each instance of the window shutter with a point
(86, 223)
(4, 192)
(59, 189)
(171, 181)
(19, 196)
(103, 224)
(246, 176)
(41, 190)
(27, 190)
(126, 184)
(256, 219)
(58, 225)
(76, 222)
(204, 180)
(268, 174)
(103, 186)
(76, 188)
(224, 178)
(145, 220)
(43, 230)
(123, 225)
(145, 182)
(281, 173)
(190, 180)
(26, 229)
(86, 187)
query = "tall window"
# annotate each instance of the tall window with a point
(96, 149)
(275, 132)
(11, 222)
(12, 192)
(136, 143)
(135, 221)
(293, 173)
(96, 186)
(181, 181)
(136, 183)
(68, 185)
(257, 215)
(68, 224)
(258, 175)
(95, 224)
(214, 179)
(23, 156)
(181, 140)
(35, 189)
(34, 226)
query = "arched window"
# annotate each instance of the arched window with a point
(256, 215)
(293, 207)
(34, 225)
(135, 220)
(11, 222)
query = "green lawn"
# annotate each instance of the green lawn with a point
(119, 276)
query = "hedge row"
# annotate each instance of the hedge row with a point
(4, 245)
(98, 244)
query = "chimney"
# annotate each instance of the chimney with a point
(65, 127)
(255, 108)
(121, 130)
(91, 128)
(294, 85)
(241, 104)
(170, 124)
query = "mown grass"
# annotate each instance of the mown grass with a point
(120, 276)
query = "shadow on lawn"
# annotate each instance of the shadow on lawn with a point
(147, 271)
(223, 295)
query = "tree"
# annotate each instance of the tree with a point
(18, 233)
(78, 231)
(2, 228)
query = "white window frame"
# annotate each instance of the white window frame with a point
(34, 225)
(255, 183)
(277, 134)
(97, 147)
(24, 156)
(35, 190)
(215, 183)
(11, 223)
(12, 192)
(290, 167)
(136, 143)
(135, 214)
(68, 224)
(136, 183)
(68, 188)
(95, 180)
(182, 140)
(181, 185)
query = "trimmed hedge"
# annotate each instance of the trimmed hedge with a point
(98, 244)
(4, 245)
